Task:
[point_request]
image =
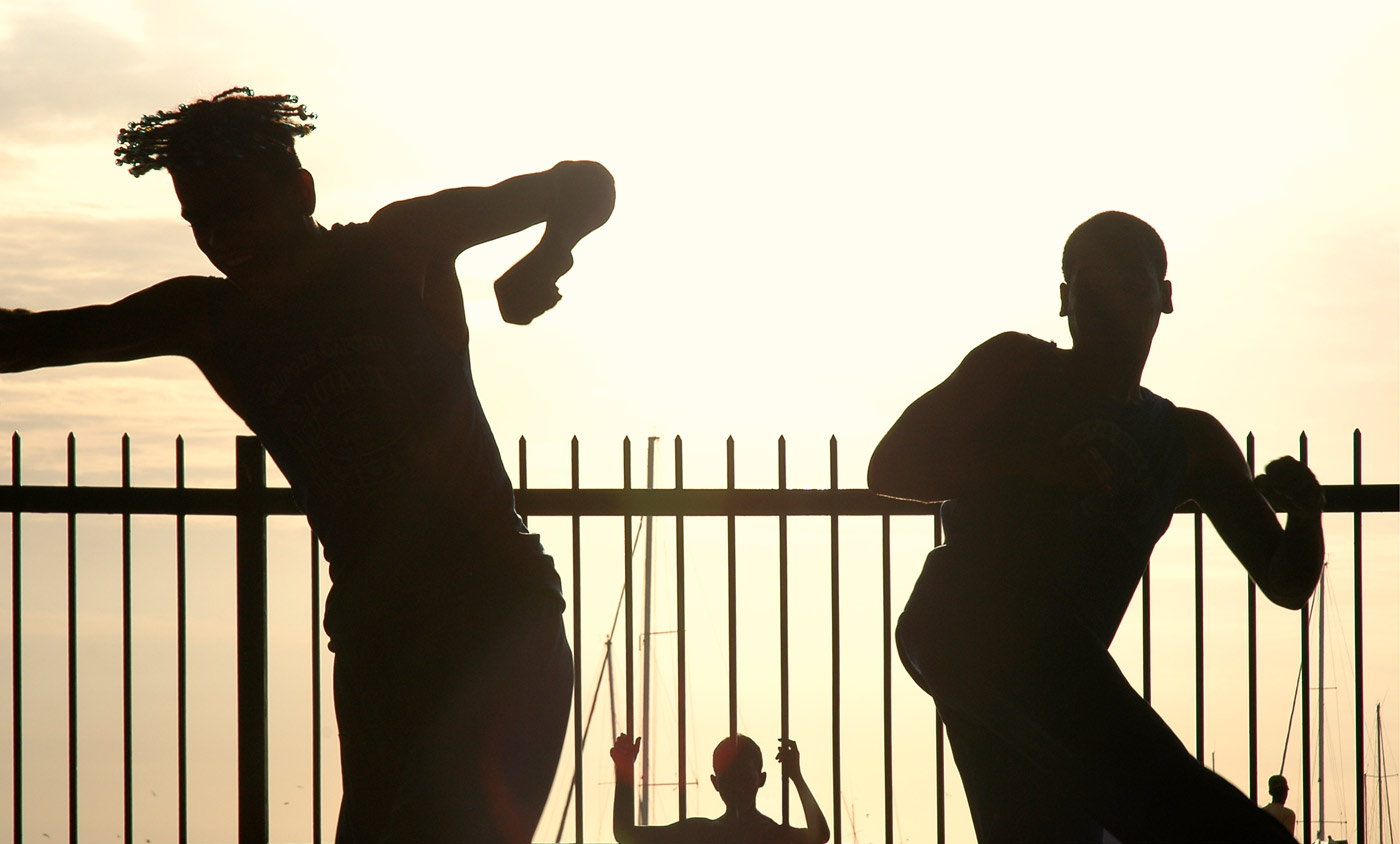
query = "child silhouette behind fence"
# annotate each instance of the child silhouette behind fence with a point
(738, 765)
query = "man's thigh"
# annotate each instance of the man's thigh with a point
(460, 746)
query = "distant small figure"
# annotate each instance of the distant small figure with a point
(738, 776)
(1278, 793)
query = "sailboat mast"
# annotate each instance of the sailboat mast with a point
(646, 641)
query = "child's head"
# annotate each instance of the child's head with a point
(738, 767)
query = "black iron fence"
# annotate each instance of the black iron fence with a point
(251, 501)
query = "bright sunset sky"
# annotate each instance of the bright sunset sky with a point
(821, 208)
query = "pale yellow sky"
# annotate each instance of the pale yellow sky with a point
(819, 210)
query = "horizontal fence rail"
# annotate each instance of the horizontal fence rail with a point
(251, 502)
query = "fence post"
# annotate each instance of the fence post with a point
(253, 827)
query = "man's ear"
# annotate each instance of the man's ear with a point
(762, 778)
(1166, 296)
(305, 189)
(714, 781)
(1064, 299)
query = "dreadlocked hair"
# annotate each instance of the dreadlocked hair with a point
(233, 125)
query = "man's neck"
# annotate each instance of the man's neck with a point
(1114, 376)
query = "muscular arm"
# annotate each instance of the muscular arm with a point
(963, 435)
(572, 198)
(1285, 562)
(165, 319)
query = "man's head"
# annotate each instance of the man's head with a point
(738, 770)
(1278, 788)
(1115, 287)
(235, 170)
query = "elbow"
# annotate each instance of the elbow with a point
(885, 474)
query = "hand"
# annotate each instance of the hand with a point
(529, 288)
(790, 759)
(624, 750)
(1290, 487)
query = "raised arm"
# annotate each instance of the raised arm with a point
(165, 319)
(1285, 562)
(966, 434)
(817, 831)
(572, 198)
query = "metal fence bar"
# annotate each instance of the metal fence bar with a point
(1306, 684)
(627, 600)
(127, 779)
(181, 656)
(279, 501)
(1358, 669)
(835, 657)
(1200, 638)
(783, 727)
(72, 649)
(251, 543)
(578, 652)
(1252, 649)
(680, 639)
(888, 676)
(938, 728)
(732, 575)
(16, 637)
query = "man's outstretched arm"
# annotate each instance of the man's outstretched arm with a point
(1285, 562)
(163, 319)
(572, 199)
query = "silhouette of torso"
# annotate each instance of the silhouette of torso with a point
(374, 420)
(1089, 544)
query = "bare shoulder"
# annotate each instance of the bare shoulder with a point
(1215, 466)
(1010, 354)
(1205, 437)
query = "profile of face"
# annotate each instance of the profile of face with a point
(245, 217)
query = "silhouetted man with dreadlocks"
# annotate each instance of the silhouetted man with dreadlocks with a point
(345, 350)
(1059, 473)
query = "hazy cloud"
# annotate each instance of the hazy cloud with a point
(51, 262)
(62, 76)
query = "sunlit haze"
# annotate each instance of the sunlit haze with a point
(821, 208)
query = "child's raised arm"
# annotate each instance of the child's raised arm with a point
(817, 831)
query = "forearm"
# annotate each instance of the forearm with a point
(30, 340)
(1296, 563)
(811, 812)
(623, 822)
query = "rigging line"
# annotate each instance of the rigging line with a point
(1293, 711)
(607, 659)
